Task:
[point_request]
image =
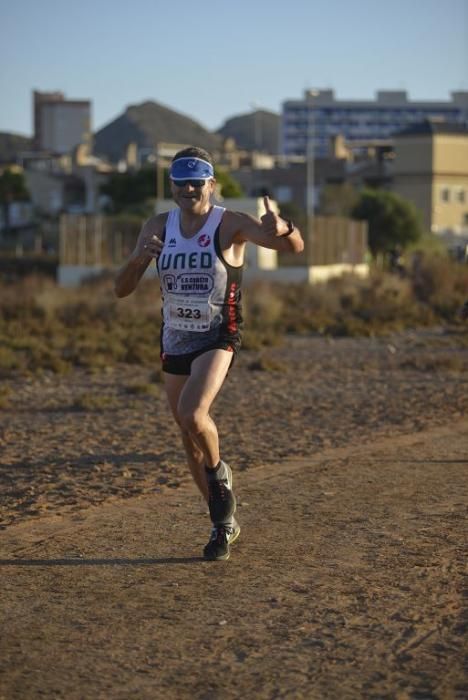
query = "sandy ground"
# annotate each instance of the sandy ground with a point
(349, 578)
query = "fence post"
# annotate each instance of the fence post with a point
(82, 239)
(98, 240)
(62, 240)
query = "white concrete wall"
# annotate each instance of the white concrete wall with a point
(73, 275)
(310, 274)
(321, 273)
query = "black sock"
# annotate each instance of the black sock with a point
(212, 470)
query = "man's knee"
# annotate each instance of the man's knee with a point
(193, 421)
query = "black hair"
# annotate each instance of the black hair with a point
(193, 152)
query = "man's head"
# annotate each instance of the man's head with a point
(192, 178)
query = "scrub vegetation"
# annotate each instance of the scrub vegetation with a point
(47, 328)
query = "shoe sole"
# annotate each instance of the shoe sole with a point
(226, 556)
(235, 536)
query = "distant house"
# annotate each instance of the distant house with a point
(286, 180)
(68, 183)
(431, 170)
(53, 193)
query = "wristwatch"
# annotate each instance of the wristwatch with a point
(290, 228)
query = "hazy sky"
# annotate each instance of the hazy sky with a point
(213, 60)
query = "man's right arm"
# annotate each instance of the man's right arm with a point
(149, 244)
(130, 274)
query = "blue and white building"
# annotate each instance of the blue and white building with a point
(308, 125)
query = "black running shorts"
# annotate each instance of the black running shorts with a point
(182, 364)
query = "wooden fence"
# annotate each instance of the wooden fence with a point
(107, 241)
(336, 240)
(96, 240)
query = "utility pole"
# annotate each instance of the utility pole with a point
(159, 174)
(310, 170)
(257, 126)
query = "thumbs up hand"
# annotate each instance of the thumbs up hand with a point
(272, 224)
(266, 203)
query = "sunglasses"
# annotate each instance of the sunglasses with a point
(193, 183)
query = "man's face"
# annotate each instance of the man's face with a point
(193, 195)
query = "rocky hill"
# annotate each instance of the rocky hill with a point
(150, 123)
(258, 130)
(147, 124)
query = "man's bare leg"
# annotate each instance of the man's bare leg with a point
(196, 398)
(174, 384)
(196, 463)
(196, 395)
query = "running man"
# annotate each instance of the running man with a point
(199, 250)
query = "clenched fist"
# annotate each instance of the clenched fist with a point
(149, 244)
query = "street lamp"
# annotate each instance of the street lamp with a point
(310, 172)
(159, 174)
(257, 126)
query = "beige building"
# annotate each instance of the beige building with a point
(431, 170)
(60, 124)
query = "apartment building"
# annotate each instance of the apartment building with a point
(309, 124)
(60, 124)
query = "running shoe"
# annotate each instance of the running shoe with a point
(222, 502)
(222, 536)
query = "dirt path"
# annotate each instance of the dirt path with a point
(86, 438)
(347, 582)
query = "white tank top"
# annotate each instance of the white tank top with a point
(200, 291)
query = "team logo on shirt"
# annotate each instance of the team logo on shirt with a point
(172, 243)
(188, 283)
(204, 240)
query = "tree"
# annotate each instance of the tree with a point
(393, 221)
(12, 189)
(133, 192)
(130, 189)
(229, 187)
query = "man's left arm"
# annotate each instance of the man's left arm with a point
(271, 231)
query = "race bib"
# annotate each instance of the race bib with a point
(188, 315)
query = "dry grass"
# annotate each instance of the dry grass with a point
(142, 389)
(428, 363)
(89, 401)
(266, 363)
(47, 328)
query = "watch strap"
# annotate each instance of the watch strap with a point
(290, 228)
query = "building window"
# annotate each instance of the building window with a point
(461, 197)
(445, 194)
(465, 219)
